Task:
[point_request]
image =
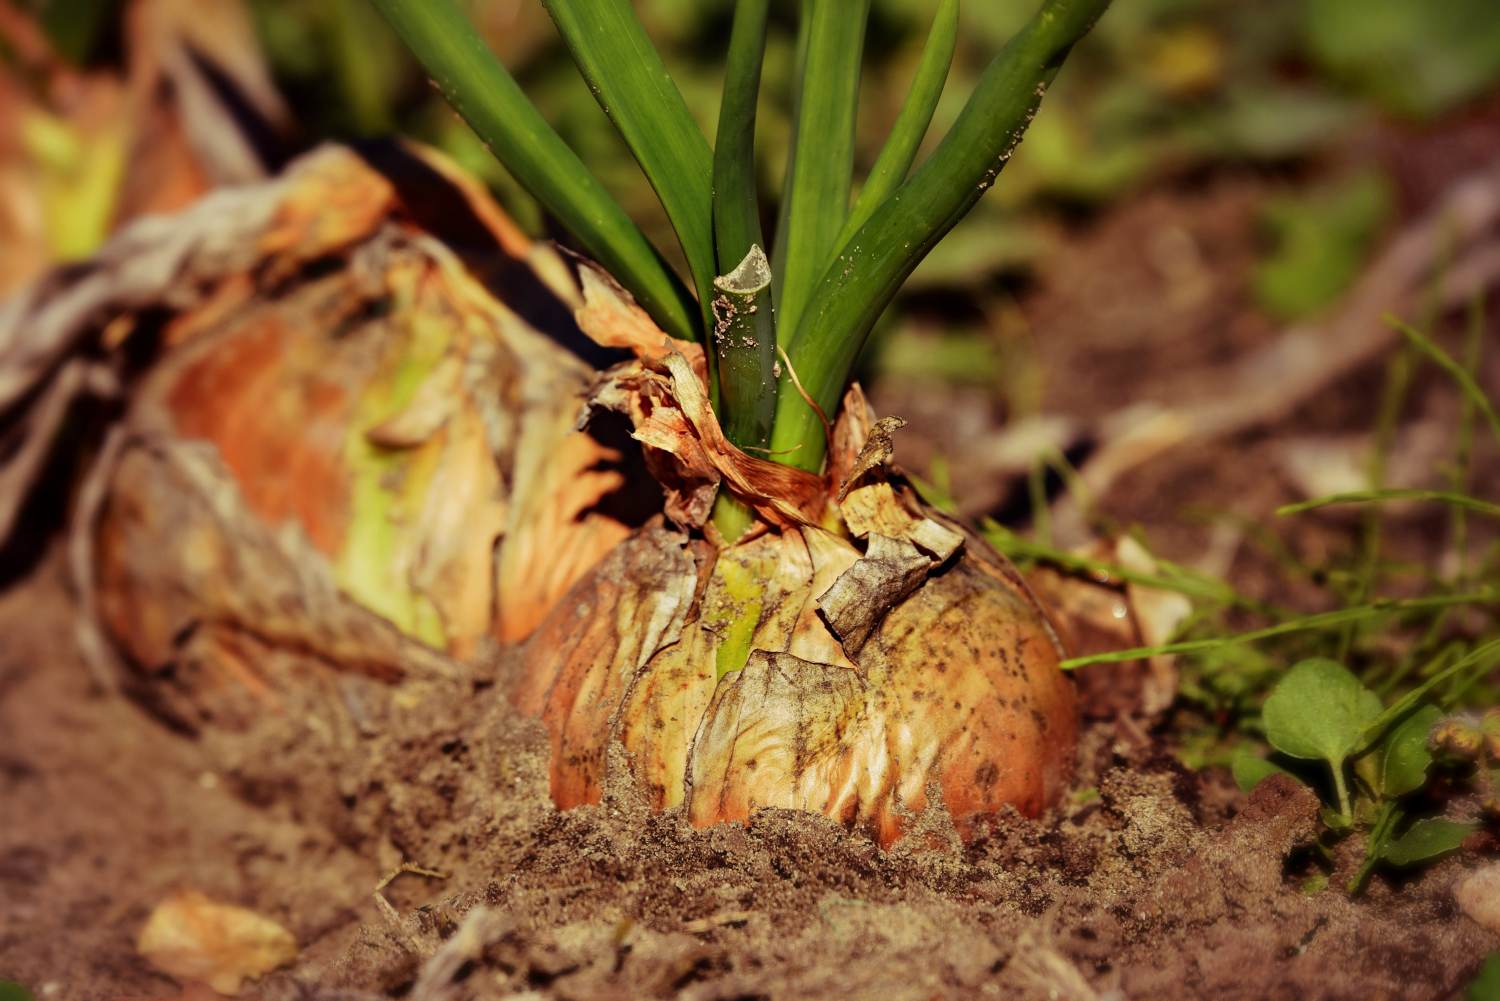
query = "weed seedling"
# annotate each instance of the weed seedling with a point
(1377, 756)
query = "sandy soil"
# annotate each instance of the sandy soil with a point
(1165, 885)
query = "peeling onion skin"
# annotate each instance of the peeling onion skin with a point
(599, 637)
(959, 685)
(957, 690)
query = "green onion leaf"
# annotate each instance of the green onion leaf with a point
(489, 99)
(744, 342)
(900, 149)
(632, 85)
(815, 198)
(861, 281)
(744, 337)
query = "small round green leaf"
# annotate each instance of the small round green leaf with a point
(1425, 841)
(1318, 711)
(1404, 757)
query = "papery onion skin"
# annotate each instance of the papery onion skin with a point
(957, 691)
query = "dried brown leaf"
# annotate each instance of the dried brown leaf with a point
(851, 429)
(875, 453)
(192, 937)
(688, 453)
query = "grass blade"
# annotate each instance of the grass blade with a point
(744, 319)
(1462, 473)
(1461, 375)
(1480, 655)
(1322, 620)
(1458, 500)
(820, 171)
(900, 149)
(491, 101)
(632, 85)
(1199, 587)
(861, 281)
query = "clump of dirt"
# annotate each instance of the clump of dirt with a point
(1154, 882)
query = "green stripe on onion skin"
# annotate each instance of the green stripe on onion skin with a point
(489, 99)
(869, 270)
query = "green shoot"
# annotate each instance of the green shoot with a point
(491, 101)
(1458, 500)
(1306, 623)
(744, 341)
(900, 149)
(741, 331)
(631, 84)
(772, 347)
(815, 199)
(1462, 376)
(864, 277)
(1321, 711)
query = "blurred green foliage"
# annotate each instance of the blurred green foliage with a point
(1417, 59)
(1164, 88)
(76, 28)
(1486, 985)
(1321, 237)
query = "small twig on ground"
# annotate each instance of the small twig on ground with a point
(389, 912)
(407, 868)
(699, 926)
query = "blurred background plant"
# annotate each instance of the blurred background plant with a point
(1167, 87)
(1167, 90)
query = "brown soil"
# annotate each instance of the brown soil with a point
(1165, 886)
(1152, 882)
